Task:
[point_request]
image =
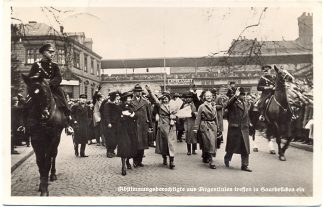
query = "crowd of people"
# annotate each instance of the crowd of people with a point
(128, 123)
(118, 77)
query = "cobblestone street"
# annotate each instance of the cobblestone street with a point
(98, 175)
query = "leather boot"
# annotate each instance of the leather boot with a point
(165, 161)
(171, 165)
(189, 149)
(211, 163)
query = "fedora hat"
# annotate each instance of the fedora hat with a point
(138, 88)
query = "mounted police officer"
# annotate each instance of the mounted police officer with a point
(47, 69)
(267, 86)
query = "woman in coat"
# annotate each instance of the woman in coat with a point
(127, 137)
(189, 123)
(207, 123)
(112, 112)
(166, 136)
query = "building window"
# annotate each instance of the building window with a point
(92, 91)
(98, 69)
(61, 57)
(92, 66)
(76, 60)
(30, 56)
(85, 66)
(85, 89)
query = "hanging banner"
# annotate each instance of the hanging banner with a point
(179, 81)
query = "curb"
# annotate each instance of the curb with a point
(15, 166)
(306, 148)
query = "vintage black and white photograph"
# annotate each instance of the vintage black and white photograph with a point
(163, 101)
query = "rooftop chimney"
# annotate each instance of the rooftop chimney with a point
(88, 43)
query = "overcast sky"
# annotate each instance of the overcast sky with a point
(121, 33)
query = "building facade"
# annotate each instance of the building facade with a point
(79, 64)
(241, 64)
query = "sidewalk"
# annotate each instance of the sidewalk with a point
(24, 153)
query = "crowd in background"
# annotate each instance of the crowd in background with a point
(301, 131)
(119, 77)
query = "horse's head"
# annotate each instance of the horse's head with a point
(283, 75)
(39, 90)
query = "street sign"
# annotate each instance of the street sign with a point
(179, 81)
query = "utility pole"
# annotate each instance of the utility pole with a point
(164, 75)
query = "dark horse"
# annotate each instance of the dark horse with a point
(44, 122)
(278, 113)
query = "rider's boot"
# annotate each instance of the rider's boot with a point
(261, 117)
(68, 129)
(45, 113)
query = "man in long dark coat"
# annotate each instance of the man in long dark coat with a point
(81, 118)
(267, 86)
(143, 123)
(238, 129)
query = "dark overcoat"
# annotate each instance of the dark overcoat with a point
(81, 120)
(50, 70)
(127, 137)
(264, 83)
(143, 122)
(112, 114)
(238, 126)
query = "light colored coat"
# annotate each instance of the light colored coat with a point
(96, 113)
(207, 123)
(166, 135)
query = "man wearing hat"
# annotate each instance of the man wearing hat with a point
(267, 86)
(231, 90)
(81, 114)
(144, 123)
(47, 69)
(238, 129)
